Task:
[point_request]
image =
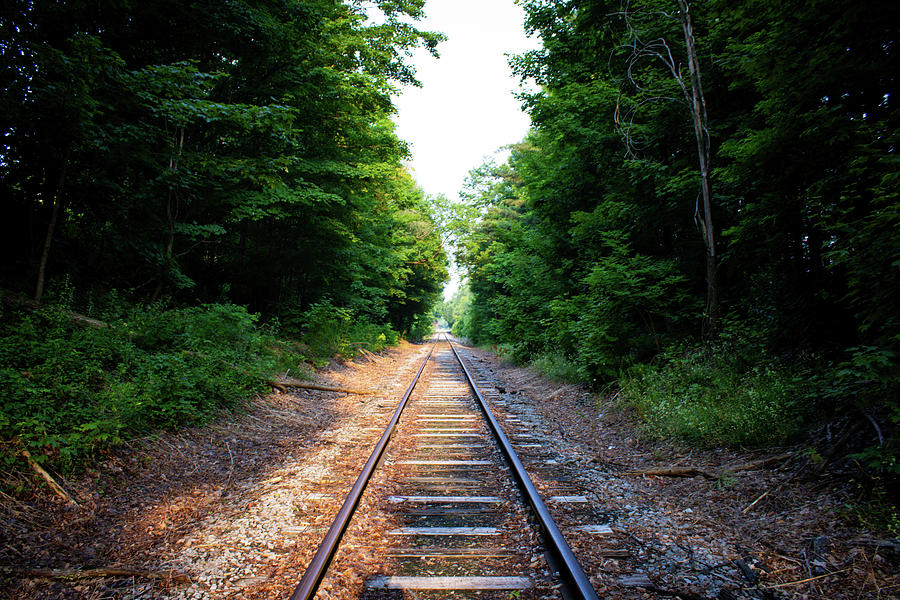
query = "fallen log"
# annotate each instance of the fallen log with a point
(76, 574)
(283, 383)
(693, 471)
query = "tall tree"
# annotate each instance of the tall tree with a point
(207, 150)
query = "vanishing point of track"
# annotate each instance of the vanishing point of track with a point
(460, 517)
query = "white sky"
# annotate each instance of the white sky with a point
(465, 110)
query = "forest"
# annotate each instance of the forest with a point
(704, 221)
(199, 182)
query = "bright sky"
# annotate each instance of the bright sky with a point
(465, 109)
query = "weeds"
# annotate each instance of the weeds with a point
(72, 391)
(710, 400)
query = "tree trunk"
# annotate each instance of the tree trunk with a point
(51, 227)
(701, 133)
(171, 212)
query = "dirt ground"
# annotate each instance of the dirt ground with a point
(236, 509)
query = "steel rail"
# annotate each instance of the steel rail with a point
(314, 574)
(570, 569)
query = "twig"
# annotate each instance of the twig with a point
(875, 425)
(230, 471)
(74, 574)
(50, 481)
(807, 580)
(752, 504)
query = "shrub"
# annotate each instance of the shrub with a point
(557, 366)
(334, 331)
(709, 398)
(73, 390)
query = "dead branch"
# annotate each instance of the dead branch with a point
(807, 580)
(675, 472)
(76, 574)
(46, 476)
(283, 383)
(693, 471)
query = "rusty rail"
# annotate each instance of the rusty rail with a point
(579, 586)
(314, 574)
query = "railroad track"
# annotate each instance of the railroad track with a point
(444, 507)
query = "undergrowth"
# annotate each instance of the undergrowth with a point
(328, 331)
(72, 390)
(74, 387)
(556, 366)
(725, 394)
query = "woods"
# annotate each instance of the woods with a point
(702, 222)
(703, 219)
(239, 152)
(200, 178)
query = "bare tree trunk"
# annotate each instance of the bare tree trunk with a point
(171, 211)
(701, 132)
(658, 49)
(51, 227)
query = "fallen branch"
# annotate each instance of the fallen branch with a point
(285, 382)
(642, 581)
(16, 300)
(46, 476)
(559, 391)
(695, 471)
(807, 580)
(893, 544)
(675, 472)
(612, 553)
(756, 464)
(75, 574)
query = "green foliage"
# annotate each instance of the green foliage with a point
(330, 331)
(879, 511)
(868, 383)
(718, 396)
(556, 366)
(241, 152)
(74, 390)
(584, 249)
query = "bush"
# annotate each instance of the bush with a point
(713, 396)
(334, 331)
(557, 366)
(73, 390)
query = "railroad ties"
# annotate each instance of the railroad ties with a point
(459, 521)
(446, 513)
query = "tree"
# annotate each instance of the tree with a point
(660, 50)
(196, 151)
